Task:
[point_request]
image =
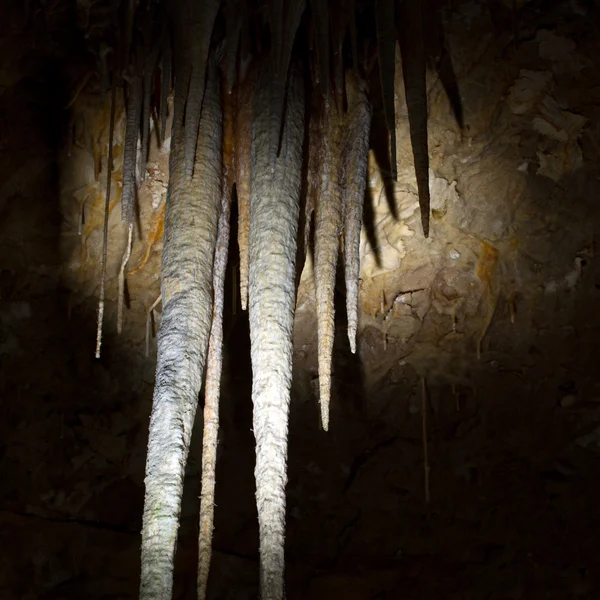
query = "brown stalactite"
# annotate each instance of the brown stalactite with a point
(243, 146)
(312, 183)
(414, 70)
(328, 224)
(356, 156)
(132, 131)
(109, 168)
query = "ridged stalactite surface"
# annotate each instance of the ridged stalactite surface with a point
(274, 213)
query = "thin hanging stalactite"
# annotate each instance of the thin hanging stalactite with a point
(276, 10)
(313, 178)
(281, 53)
(356, 157)
(113, 101)
(234, 17)
(152, 48)
(415, 85)
(351, 9)
(149, 319)
(165, 84)
(202, 19)
(132, 131)
(212, 387)
(124, 261)
(129, 191)
(320, 10)
(130, 6)
(328, 225)
(104, 51)
(243, 147)
(386, 48)
(214, 361)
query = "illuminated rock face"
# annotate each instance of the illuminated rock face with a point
(495, 207)
(509, 271)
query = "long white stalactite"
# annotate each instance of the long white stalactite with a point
(274, 211)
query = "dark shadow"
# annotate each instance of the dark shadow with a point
(312, 448)
(440, 60)
(369, 225)
(301, 250)
(236, 524)
(379, 144)
(347, 373)
(73, 494)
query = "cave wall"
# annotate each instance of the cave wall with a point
(497, 311)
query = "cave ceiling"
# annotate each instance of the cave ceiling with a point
(500, 185)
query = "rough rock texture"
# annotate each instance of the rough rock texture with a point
(497, 311)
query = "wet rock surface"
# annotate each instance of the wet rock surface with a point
(497, 312)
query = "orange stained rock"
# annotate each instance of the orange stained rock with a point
(156, 234)
(487, 263)
(485, 271)
(97, 216)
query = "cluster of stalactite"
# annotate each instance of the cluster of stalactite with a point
(272, 110)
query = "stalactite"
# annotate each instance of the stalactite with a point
(356, 157)
(105, 50)
(414, 71)
(214, 361)
(234, 17)
(276, 9)
(274, 212)
(202, 17)
(187, 271)
(212, 386)
(349, 4)
(339, 28)
(130, 6)
(149, 318)
(109, 166)
(386, 47)
(313, 175)
(243, 146)
(165, 83)
(281, 53)
(328, 224)
(132, 130)
(124, 261)
(151, 56)
(320, 11)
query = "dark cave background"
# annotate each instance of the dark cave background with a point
(514, 452)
